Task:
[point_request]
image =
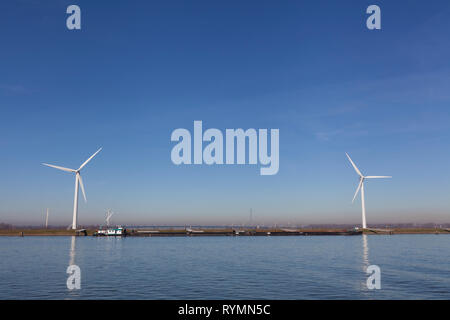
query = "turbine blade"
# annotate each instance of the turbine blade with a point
(82, 186)
(377, 177)
(357, 190)
(90, 158)
(58, 167)
(354, 165)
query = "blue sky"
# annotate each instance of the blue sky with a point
(138, 70)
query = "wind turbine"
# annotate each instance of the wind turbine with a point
(78, 182)
(109, 214)
(46, 220)
(361, 187)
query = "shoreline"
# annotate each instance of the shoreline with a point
(226, 232)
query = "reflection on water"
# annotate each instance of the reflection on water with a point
(72, 293)
(364, 264)
(365, 252)
(72, 251)
(328, 267)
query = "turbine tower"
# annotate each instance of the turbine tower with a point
(78, 182)
(362, 178)
(46, 220)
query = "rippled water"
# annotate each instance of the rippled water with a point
(295, 267)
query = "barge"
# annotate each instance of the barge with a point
(105, 232)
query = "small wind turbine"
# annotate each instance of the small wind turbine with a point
(46, 220)
(109, 214)
(78, 181)
(361, 187)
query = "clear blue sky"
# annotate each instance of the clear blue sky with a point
(140, 69)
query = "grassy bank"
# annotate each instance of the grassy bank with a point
(40, 232)
(411, 231)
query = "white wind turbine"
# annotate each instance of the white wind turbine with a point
(46, 220)
(361, 187)
(78, 181)
(109, 214)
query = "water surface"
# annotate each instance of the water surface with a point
(282, 267)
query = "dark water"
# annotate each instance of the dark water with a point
(322, 267)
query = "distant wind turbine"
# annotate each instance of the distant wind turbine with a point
(109, 214)
(361, 187)
(46, 220)
(78, 182)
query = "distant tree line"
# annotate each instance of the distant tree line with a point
(4, 226)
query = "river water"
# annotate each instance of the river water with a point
(277, 267)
